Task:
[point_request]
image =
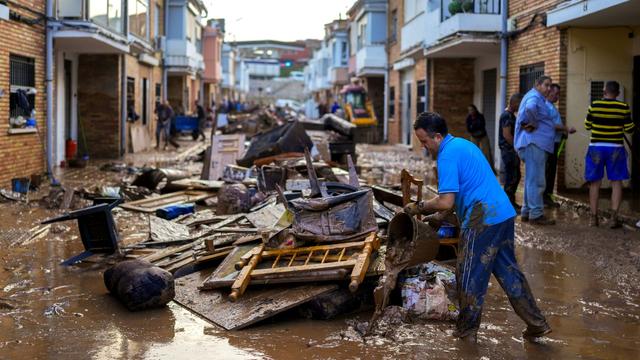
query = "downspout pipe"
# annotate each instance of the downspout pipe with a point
(165, 96)
(123, 107)
(504, 45)
(50, 28)
(386, 106)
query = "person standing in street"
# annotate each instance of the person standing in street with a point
(467, 182)
(561, 133)
(476, 126)
(535, 133)
(510, 158)
(202, 120)
(164, 113)
(607, 119)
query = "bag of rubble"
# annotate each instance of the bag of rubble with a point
(428, 292)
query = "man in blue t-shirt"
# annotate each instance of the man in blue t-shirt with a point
(466, 181)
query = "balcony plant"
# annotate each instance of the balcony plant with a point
(458, 6)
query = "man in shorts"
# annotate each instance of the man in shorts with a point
(607, 119)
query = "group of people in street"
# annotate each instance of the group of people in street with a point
(532, 131)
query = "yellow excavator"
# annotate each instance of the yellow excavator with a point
(357, 105)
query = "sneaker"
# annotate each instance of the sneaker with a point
(524, 218)
(533, 332)
(542, 220)
(593, 221)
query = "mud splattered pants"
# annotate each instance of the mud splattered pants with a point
(491, 251)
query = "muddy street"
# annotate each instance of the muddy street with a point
(586, 282)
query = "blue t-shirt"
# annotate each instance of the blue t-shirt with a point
(479, 198)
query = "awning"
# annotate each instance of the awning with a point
(595, 13)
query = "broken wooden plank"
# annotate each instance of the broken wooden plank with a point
(168, 252)
(164, 230)
(150, 205)
(198, 184)
(254, 306)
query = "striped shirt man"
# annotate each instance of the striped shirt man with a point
(608, 120)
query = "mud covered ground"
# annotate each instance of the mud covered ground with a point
(586, 280)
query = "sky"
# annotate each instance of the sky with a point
(284, 20)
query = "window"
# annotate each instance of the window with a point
(392, 102)
(22, 74)
(158, 92)
(597, 91)
(139, 18)
(394, 26)
(156, 21)
(108, 13)
(362, 35)
(421, 99)
(345, 53)
(413, 8)
(131, 98)
(528, 76)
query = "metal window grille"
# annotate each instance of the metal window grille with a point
(597, 90)
(22, 71)
(528, 76)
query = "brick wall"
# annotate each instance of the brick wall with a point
(536, 45)
(23, 154)
(99, 104)
(451, 91)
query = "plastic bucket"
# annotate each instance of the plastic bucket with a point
(418, 240)
(20, 185)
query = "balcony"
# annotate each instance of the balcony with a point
(339, 75)
(371, 60)
(465, 30)
(413, 33)
(183, 57)
(595, 13)
(478, 16)
(91, 26)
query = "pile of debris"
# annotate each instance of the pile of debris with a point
(260, 231)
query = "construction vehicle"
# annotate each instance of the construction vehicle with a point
(358, 110)
(357, 106)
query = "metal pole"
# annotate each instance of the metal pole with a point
(504, 11)
(386, 106)
(123, 89)
(164, 55)
(50, 29)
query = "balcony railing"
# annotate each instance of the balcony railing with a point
(450, 8)
(109, 14)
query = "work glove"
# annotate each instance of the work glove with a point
(412, 209)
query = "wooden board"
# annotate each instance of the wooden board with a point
(267, 217)
(255, 305)
(225, 149)
(150, 205)
(140, 139)
(197, 184)
(164, 230)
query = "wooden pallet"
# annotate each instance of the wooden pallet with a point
(314, 262)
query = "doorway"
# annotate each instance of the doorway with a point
(406, 113)
(68, 95)
(145, 101)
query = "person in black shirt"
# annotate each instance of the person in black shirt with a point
(477, 129)
(510, 159)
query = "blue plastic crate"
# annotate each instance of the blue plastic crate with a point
(185, 123)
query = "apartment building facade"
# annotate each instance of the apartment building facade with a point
(22, 68)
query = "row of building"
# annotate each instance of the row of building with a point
(443, 55)
(90, 67)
